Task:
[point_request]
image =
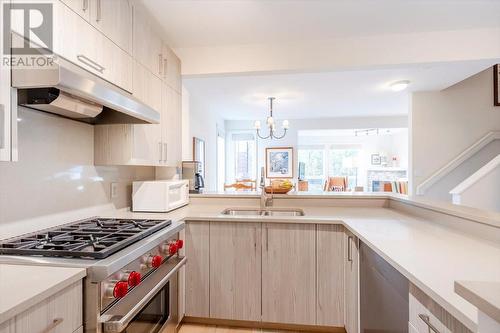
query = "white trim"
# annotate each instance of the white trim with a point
(476, 176)
(462, 157)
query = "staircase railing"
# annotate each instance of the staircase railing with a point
(454, 163)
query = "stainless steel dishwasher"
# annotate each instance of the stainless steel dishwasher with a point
(383, 295)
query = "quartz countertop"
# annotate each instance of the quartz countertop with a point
(484, 295)
(23, 286)
(430, 255)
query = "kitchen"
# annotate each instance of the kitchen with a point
(99, 151)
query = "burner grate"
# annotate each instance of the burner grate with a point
(94, 238)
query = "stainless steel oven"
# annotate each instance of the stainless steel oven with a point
(150, 307)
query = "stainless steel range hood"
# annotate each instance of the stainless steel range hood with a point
(70, 91)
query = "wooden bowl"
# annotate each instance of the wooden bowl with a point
(271, 190)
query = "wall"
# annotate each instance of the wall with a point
(296, 125)
(203, 124)
(445, 123)
(485, 193)
(56, 173)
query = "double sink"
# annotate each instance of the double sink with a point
(263, 212)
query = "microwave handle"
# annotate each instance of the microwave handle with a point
(117, 326)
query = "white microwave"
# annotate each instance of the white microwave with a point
(159, 195)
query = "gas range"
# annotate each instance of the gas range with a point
(94, 238)
(131, 264)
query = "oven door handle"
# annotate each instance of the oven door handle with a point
(116, 324)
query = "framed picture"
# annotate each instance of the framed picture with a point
(496, 85)
(199, 153)
(376, 160)
(279, 162)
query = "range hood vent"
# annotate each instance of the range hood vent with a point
(70, 91)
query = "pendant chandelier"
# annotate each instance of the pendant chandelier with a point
(271, 124)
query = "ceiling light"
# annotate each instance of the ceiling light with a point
(399, 85)
(271, 124)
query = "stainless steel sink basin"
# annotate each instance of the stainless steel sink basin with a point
(263, 212)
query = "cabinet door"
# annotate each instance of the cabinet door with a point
(197, 269)
(7, 326)
(147, 45)
(172, 126)
(114, 19)
(147, 87)
(289, 273)
(351, 282)
(81, 7)
(171, 69)
(235, 271)
(330, 273)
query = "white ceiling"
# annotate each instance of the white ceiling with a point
(325, 94)
(215, 23)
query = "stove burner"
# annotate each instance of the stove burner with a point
(94, 238)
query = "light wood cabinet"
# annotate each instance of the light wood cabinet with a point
(235, 271)
(289, 273)
(420, 304)
(330, 275)
(113, 18)
(91, 50)
(81, 7)
(171, 69)
(62, 313)
(351, 261)
(147, 44)
(172, 126)
(197, 291)
(8, 326)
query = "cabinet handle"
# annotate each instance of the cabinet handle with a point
(160, 57)
(98, 15)
(85, 5)
(160, 145)
(91, 63)
(267, 238)
(349, 248)
(3, 139)
(425, 318)
(165, 150)
(53, 325)
(165, 64)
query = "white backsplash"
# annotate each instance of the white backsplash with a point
(56, 173)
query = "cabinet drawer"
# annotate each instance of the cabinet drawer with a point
(61, 312)
(425, 312)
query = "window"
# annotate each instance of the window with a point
(344, 162)
(325, 161)
(241, 155)
(314, 160)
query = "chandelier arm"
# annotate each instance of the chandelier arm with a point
(282, 136)
(263, 137)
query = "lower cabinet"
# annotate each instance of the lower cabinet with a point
(60, 313)
(235, 270)
(284, 273)
(197, 269)
(289, 273)
(351, 261)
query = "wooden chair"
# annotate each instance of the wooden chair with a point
(243, 184)
(335, 184)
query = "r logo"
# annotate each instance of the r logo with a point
(33, 22)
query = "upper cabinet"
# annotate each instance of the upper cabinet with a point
(114, 19)
(147, 43)
(171, 69)
(81, 7)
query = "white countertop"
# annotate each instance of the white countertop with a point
(484, 295)
(430, 255)
(22, 286)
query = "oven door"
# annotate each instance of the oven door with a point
(150, 307)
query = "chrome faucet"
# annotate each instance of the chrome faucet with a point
(265, 199)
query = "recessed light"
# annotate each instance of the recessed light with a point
(399, 85)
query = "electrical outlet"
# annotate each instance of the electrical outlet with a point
(114, 190)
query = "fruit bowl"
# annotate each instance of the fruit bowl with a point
(277, 190)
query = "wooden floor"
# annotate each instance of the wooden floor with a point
(194, 328)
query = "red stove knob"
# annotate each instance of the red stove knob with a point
(155, 261)
(134, 278)
(180, 244)
(172, 248)
(120, 289)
